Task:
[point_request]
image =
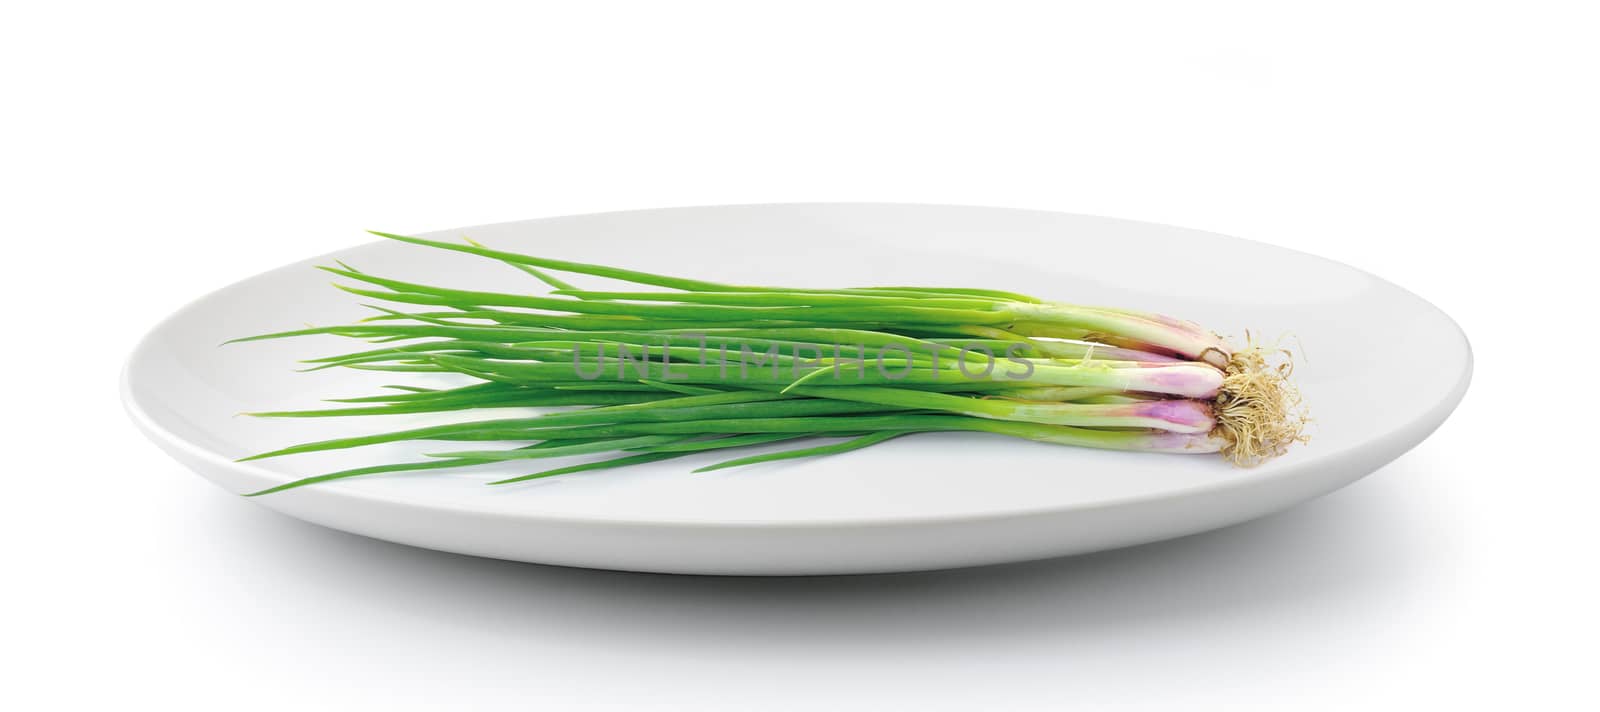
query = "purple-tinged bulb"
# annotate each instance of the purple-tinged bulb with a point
(1181, 443)
(1180, 415)
(1189, 381)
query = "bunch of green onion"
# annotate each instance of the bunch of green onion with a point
(692, 367)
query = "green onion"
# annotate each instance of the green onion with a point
(696, 367)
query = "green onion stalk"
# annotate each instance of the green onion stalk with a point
(694, 367)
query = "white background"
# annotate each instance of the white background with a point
(155, 151)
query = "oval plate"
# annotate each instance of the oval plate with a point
(927, 501)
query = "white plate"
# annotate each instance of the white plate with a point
(922, 502)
